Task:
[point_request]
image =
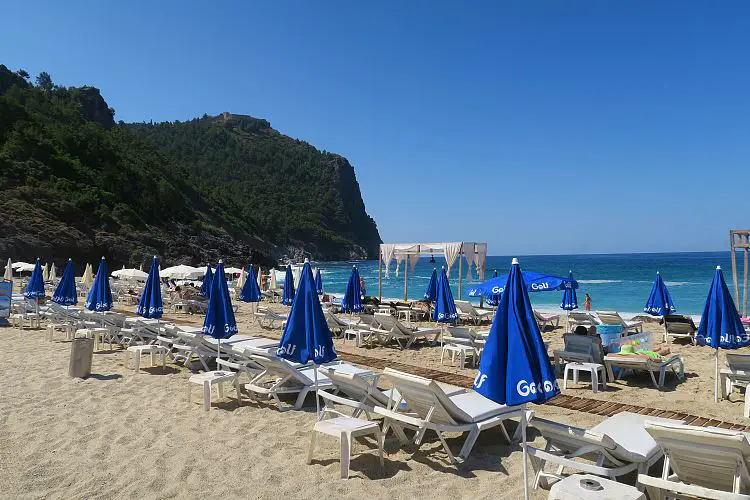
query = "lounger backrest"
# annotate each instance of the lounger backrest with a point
(461, 333)
(354, 386)
(679, 324)
(426, 398)
(391, 324)
(279, 366)
(583, 344)
(466, 307)
(738, 362)
(568, 439)
(581, 317)
(704, 456)
(610, 318)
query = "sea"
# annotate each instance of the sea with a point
(620, 282)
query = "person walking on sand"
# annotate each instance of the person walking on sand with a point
(362, 286)
(587, 302)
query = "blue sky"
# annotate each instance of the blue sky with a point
(539, 127)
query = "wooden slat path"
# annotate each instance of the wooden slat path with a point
(578, 403)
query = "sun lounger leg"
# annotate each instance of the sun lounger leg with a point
(311, 449)
(747, 401)
(468, 444)
(346, 447)
(207, 396)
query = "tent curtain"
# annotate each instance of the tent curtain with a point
(469, 253)
(480, 259)
(451, 251)
(387, 256)
(413, 259)
(399, 258)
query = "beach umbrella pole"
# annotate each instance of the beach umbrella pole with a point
(716, 378)
(317, 403)
(525, 458)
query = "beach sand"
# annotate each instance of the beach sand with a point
(116, 434)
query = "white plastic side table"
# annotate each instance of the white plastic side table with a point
(589, 487)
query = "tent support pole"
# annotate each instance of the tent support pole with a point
(406, 279)
(460, 270)
(380, 275)
(734, 269)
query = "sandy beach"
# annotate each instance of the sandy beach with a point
(116, 434)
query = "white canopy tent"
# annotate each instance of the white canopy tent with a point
(474, 253)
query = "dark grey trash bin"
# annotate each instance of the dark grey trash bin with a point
(81, 355)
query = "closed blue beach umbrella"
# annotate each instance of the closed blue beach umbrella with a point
(100, 295)
(430, 292)
(306, 335)
(65, 293)
(569, 298)
(721, 327)
(515, 368)
(659, 301)
(35, 287)
(352, 301)
(219, 322)
(206, 286)
(150, 304)
(444, 310)
(288, 296)
(318, 282)
(250, 290)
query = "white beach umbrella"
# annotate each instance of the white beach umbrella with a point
(241, 279)
(140, 268)
(259, 277)
(45, 272)
(297, 275)
(183, 272)
(131, 274)
(88, 276)
(52, 272)
(232, 270)
(274, 284)
(8, 271)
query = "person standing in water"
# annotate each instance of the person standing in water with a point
(587, 302)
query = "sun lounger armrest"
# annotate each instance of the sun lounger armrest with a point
(401, 417)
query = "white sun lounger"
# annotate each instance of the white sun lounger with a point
(644, 363)
(543, 320)
(442, 408)
(616, 446)
(269, 319)
(390, 329)
(614, 318)
(468, 313)
(280, 376)
(699, 462)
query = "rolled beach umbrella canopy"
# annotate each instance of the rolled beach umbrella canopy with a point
(288, 296)
(721, 326)
(35, 287)
(260, 277)
(430, 292)
(352, 300)
(219, 322)
(8, 271)
(444, 308)
(65, 293)
(318, 282)
(52, 272)
(515, 368)
(99, 298)
(274, 283)
(242, 278)
(88, 276)
(250, 290)
(569, 298)
(150, 305)
(206, 289)
(45, 272)
(659, 301)
(306, 335)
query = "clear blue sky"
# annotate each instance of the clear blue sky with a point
(539, 127)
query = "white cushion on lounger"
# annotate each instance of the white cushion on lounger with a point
(474, 407)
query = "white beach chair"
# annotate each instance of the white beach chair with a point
(614, 318)
(581, 318)
(442, 408)
(280, 376)
(616, 446)
(544, 320)
(579, 349)
(677, 326)
(735, 375)
(644, 363)
(390, 329)
(699, 462)
(269, 319)
(468, 313)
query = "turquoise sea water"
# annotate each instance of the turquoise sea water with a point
(619, 282)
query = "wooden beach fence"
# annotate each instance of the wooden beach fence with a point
(739, 239)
